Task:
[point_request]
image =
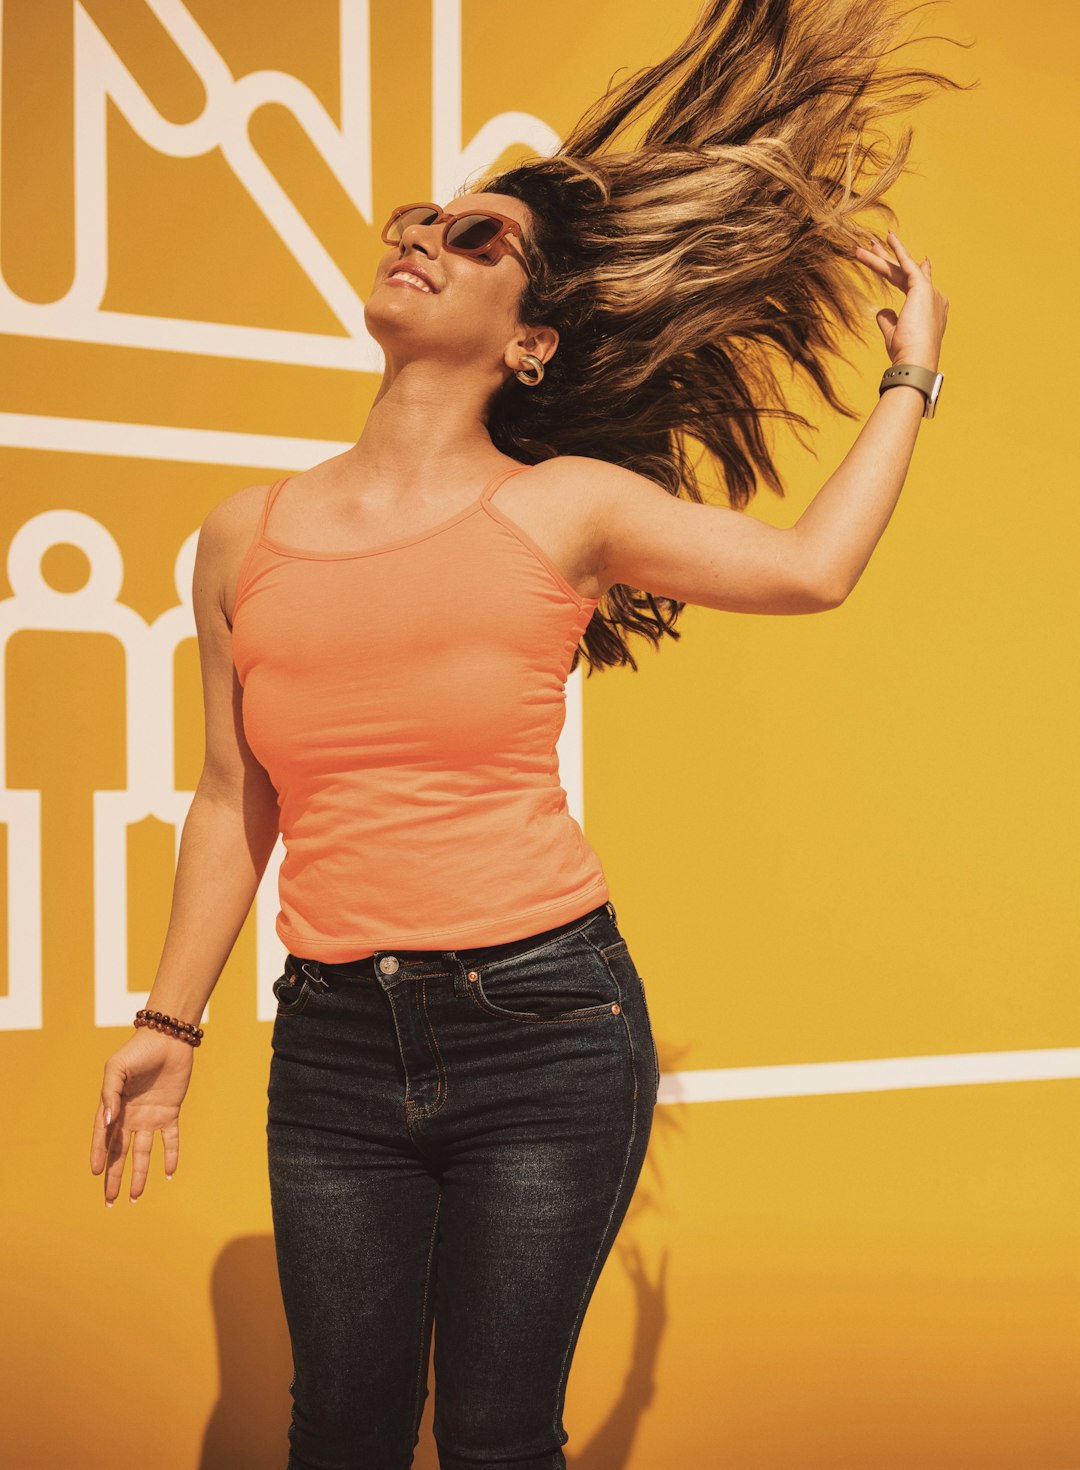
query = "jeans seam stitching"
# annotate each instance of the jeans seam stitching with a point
(652, 1033)
(594, 1274)
(442, 1091)
(423, 1316)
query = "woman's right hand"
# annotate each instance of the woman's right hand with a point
(143, 1087)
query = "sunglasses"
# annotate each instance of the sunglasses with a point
(472, 234)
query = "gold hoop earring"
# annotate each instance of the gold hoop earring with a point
(537, 367)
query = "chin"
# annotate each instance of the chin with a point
(384, 319)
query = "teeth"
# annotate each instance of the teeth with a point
(408, 276)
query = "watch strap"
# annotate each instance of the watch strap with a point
(925, 379)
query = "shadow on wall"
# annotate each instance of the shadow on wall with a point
(249, 1425)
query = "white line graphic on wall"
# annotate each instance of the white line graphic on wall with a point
(100, 76)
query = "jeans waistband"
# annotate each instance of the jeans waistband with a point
(476, 955)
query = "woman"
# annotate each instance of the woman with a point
(463, 1074)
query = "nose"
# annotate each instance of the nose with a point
(413, 235)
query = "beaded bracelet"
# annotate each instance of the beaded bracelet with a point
(182, 1030)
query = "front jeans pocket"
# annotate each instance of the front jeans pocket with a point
(291, 994)
(561, 982)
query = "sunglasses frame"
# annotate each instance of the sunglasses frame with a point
(507, 227)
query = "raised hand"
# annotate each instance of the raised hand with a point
(915, 335)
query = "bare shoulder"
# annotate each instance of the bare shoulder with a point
(559, 504)
(598, 479)
(235, 514)
(224, 538)
(586, 498)
(599, 492)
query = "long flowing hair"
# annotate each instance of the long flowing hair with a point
(684, 270)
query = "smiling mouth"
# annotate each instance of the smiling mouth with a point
(406, 278)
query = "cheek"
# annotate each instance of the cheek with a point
(384, 262)
(483, 307)
(501, 296)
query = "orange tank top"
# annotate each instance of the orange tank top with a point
(406, 702)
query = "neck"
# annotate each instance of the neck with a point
(425, 423)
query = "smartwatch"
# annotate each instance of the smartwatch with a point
(927, 382)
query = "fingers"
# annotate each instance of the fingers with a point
(903, 271)
(109, 1151)
(97, 1143)
(914, 271)
(880, 261)
(102, 1118)
(108, 1111)
(867, 253)
(116, 1153)
(886, 320)
(170, 1139)
(141, 1141)
(902, 254)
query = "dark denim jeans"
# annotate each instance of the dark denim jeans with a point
(453, 1139)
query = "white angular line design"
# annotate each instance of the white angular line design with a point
(100, 76)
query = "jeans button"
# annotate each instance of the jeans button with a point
(388, 964)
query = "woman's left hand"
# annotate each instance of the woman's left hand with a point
(915, 335)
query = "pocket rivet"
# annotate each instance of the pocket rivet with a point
(473, 975)
(616, 1008)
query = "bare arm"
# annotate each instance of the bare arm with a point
(224, 850)
(845, 520)
(231, 826)
(721, 558)
(709, 555)
(843, 523)
(228, 836)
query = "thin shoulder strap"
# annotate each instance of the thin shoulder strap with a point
(498, 479)
(268, 500)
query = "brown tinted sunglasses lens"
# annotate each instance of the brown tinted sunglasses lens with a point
(400, 221)
(472, 233)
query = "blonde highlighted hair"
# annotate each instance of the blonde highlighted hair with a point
(684, 269)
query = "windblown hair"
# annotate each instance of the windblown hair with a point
(682, 272)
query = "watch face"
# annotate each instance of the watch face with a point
(932, 397)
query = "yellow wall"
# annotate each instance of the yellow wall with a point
(831, 839)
